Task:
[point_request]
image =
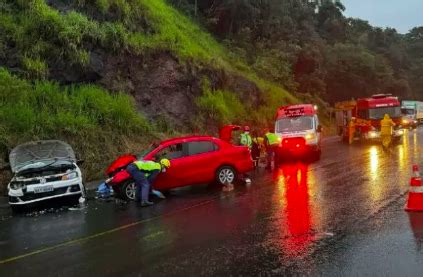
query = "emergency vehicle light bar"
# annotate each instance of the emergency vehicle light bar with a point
(379, 96)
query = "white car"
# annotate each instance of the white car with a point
(43, 170)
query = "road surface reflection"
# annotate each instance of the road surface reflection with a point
(296, 218)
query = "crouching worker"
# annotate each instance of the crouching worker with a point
(144, 173)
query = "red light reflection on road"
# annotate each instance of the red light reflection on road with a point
(295, 222)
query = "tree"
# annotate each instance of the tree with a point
(311, 47)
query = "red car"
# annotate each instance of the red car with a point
(194, 160)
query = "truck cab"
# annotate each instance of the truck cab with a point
(368, 113)
(412, 113)
(299, 130)
(408, 109)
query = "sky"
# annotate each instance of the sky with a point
(402, 15)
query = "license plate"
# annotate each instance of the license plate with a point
(43, 189)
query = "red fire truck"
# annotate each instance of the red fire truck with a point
(299, 130)
(368, 112)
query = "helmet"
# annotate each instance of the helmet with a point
(246, 128)
(165, 163)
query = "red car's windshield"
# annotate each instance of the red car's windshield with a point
(145, 152)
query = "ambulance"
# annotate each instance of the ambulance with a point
(299, 131)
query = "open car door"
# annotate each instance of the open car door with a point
(226, 131)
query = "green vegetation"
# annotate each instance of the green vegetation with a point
(86, 115)
(35, 68)
(42, 44)
(220, 106)
(177, 33)
(311, 47)
(240, 60)
(41, 35)
(45, 108)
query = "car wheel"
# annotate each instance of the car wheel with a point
(226, 175)
(128, 191)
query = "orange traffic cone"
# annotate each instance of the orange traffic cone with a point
(415, 195)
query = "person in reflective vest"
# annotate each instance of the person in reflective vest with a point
(255, 149)
(271, 141)
(144, 173)
(386, 125)
(246, 139)
(351, 130)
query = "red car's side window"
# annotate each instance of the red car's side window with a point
(201, 147)
(171, 152)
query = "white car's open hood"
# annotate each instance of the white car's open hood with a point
(39, 153)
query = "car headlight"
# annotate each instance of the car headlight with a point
(373, 134)
(310, 136)
(70, 176)
(405, 121)
(17, 185)
(400, 132)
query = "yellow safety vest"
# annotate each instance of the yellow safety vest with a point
(272, 138)
(246, 140)
(147, 166)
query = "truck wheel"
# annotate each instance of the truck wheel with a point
(128, 191)
(225, 175)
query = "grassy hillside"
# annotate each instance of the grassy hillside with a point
(97, 123)
(48, 50)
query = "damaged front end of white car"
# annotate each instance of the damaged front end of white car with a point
(43, 170)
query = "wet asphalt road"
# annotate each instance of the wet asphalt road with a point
(341, 216)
